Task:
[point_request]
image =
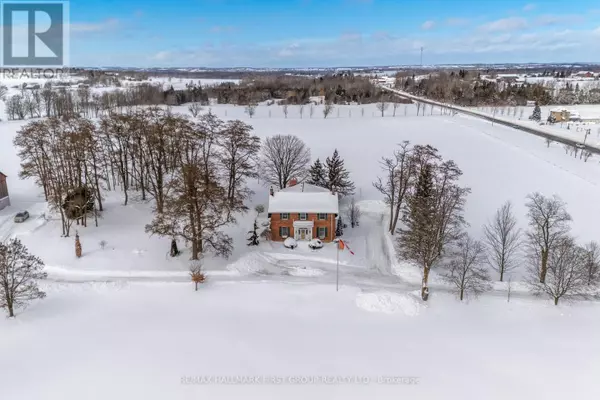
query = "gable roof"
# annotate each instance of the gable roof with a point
(6, 176)
(294, 200)
(305, 188)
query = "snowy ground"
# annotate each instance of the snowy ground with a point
(125, 323)
(131, 341)
(180, 83)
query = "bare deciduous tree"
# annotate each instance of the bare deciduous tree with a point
(503, 240)
(327, 109)
(399, 176)
(395, 105)
(19, 273)
(239, 152)
(250, 110)
(353, 213)
(548, 222)
(465, 271)
(301, 110)
(284, 158)
(284, 107)
(592, 263)
(566, 271)
(195, 109)
(382, 105)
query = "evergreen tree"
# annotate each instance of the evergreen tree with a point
(317, 174)
(537, 113)
(434, 217)
(253, 238)
(338, 179)
(339, 230)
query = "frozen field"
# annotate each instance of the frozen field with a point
(124, 323)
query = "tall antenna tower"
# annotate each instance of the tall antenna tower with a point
(421, 56)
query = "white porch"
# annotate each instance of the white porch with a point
(303, 230)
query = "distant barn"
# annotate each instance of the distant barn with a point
(4, 199)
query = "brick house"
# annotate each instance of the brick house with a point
(304, 212)
(4, 199)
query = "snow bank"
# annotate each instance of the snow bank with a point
(389, 303)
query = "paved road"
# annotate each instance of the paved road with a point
(532, 131)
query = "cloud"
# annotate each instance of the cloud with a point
(385, 48)
(161, 56)
(83, 27)
(455, 22)
(427, 25)
(350, 36)
(382, 36)
(289, 51)
(550, 19)
(505, 24)
(223, 29)
(529, 7)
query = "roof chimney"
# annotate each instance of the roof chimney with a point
(293, 182)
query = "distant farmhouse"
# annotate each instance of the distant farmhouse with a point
(303, 212)
(4, 199)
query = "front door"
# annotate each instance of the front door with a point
(303, 233)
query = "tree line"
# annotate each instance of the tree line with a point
(426, 207)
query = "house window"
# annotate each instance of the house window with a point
(322, 217)
(285, 217)
(284, 231)
(322, 233)
(303, 216)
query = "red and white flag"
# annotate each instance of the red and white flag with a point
(343, 245)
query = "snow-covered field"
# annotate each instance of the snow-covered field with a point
(123, 322)
(180, 83)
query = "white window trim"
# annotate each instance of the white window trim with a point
(322, 229)
(305, 216)
(286, 218)
(322, 219)
(288, 232)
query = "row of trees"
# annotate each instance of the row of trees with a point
(474, 91)
(195, 171)
(426, 206)
(68, 102)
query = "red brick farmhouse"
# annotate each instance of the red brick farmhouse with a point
(4, 199)
(303, 212)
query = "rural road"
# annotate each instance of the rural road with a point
(533, 131)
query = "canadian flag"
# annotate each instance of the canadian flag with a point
(343, 245)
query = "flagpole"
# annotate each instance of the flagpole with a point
(337, 269)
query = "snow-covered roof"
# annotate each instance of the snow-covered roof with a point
(293, 200)
(305, 187)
